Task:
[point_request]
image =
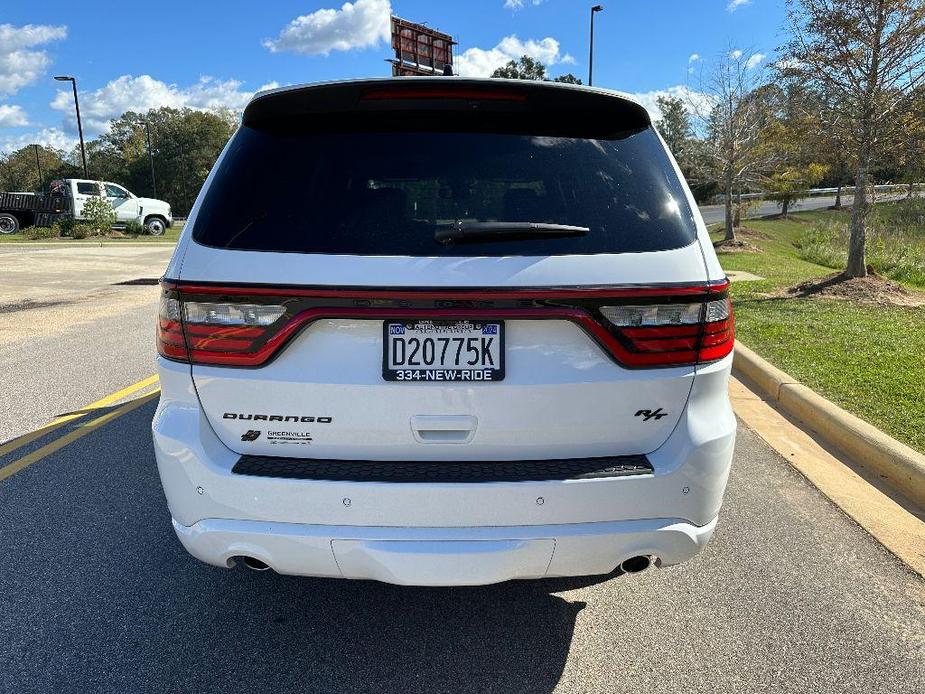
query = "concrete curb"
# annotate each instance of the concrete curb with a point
(901, 466)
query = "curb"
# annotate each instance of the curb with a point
(900, 465)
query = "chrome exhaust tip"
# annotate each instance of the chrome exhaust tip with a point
(254, 564)
(634, 565)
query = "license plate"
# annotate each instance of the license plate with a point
(443, 350)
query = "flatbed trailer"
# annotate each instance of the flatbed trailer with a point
(21, 210)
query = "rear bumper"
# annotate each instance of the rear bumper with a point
(445, 533)
(443, 556)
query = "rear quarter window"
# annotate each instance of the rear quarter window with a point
(387, 193)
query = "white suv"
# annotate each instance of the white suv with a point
(443, 331)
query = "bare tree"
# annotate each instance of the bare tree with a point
(732, 115)
(870, 54)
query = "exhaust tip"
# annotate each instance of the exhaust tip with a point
(254, 564)
(634, 565)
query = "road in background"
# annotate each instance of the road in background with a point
(714, 214)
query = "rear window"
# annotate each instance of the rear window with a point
(389, 193)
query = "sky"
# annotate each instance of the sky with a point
(205, 54)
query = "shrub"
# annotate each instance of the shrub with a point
(134, 228)
(36, 233)
(82, 231)
(99, 214)
(65, 225)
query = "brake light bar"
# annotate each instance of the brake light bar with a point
(638, 327)
(428, 92)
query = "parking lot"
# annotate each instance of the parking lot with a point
(98, 594)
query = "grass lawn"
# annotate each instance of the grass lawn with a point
(170, 236)
(868, 359)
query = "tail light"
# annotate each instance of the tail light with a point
(639, 327)
(673, 334)
(228, 333)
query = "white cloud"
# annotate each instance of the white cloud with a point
(128, 93)
(736, 54)
(19, 65)
(480, 62)
(694, 57)
(49, 137)
(736, 4)
(753, 60)
(12, 116)
(515, 5)
(696, 102)
(360, 24)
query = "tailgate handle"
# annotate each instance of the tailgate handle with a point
(443, 428)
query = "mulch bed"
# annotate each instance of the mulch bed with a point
(873, 289)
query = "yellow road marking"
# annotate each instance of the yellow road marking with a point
(25, 439)
(80, 432)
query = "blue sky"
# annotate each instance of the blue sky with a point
(207, 54)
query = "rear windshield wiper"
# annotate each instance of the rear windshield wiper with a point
(463, 232)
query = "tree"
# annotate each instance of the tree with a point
(675, 126)
(525, 69)
(870, 54)
(791, 139)
(528, 68)
(19, 170)
(733, 116)
(791, 184)
(185, 144)
(910, 145)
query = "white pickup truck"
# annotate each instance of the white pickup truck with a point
(67, 196)
(154, 214)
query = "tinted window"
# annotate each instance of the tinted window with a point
(388, 193)
(88, 188)
(114, 191)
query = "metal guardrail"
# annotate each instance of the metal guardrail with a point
(816, 192)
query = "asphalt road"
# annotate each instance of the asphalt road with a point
(97, 595)
(713, 214)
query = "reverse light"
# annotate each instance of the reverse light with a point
(232, 314)
(655, 314)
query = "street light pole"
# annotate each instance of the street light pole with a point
(594, 10)
(80, 130)
(150, 158)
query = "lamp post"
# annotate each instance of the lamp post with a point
(594, 10)
(80, 130)
(150, 158)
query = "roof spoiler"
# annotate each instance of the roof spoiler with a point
(450, 95)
